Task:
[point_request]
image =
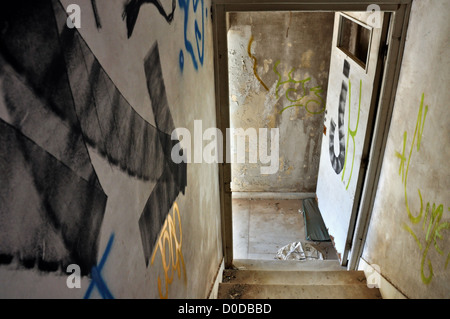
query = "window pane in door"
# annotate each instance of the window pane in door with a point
(354, 40)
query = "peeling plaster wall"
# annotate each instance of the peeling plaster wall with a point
(86, 175)
(280, 60)
(409, 234)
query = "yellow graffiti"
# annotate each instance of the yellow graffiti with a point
(168, 240)
(431, 222)
(255, 63)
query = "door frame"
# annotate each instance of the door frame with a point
(400, 11)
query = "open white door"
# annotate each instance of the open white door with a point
(352, 88)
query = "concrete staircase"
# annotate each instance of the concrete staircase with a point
(310, 279)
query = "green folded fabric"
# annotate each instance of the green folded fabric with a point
(314, 226)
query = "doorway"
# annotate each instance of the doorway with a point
(278, 75)
(374, 141)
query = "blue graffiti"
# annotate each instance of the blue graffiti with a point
(97, 279)
(199, 35)
(181, 60)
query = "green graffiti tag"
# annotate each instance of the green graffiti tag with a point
(308, 103)
(432, 226)
(351, 133)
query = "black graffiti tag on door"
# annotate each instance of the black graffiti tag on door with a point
(337, 162)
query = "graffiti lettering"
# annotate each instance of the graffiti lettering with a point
(337, 162)
(318, 100)
(432, 226)
(350, 132)
(168, 240)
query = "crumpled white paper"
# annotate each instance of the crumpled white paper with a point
(299, 251)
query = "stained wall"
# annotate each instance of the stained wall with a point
(278, 77)
(408, 238)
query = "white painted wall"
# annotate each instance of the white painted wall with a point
(190, 95)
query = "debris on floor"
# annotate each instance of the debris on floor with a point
(236, 291)
(299, 251)
(314, 225)
(228, 275)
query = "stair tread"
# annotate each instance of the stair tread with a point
(294, 277)
(288, 265)
(256, 291)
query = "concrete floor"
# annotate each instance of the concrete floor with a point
(262, 226)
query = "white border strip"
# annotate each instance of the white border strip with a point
(214, 292)
(387, 290)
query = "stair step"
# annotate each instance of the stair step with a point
(248, 291)
(288, 265)
(267, 277)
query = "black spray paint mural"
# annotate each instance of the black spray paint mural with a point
(132, 8)
(172, 180)
(55, 101)
(337, 162)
